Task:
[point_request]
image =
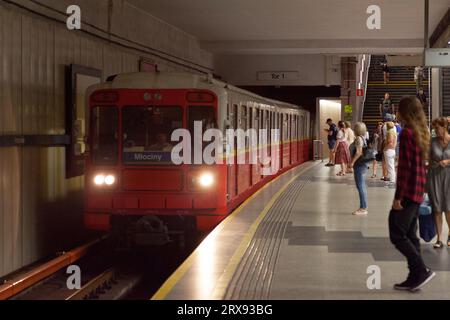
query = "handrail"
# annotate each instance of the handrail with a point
(369, 60)
(363, 78)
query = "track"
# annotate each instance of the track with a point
(108, 274)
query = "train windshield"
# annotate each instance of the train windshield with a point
(105, 133)
(147, 133)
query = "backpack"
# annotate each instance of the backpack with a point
(368, 153)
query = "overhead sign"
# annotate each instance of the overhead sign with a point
(437, 57)
(278, 75)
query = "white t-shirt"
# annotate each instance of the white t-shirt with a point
(340, 135)
(350, 136)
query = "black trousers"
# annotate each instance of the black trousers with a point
(403, 235)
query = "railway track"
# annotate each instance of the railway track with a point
(105, 274)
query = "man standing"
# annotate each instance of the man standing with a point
(421, 95)
(418, 77)
(332, 137)
(386, 108)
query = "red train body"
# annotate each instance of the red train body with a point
(126, 181)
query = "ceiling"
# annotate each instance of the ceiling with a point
(298, 26)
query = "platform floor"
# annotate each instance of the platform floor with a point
(297, 239)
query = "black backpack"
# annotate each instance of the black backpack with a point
(368, 154)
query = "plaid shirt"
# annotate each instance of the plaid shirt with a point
(411, 175)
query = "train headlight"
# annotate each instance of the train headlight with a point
(206, 180)
(102, 180)
(99, 179)
(110, 180)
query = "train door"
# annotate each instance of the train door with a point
(235, 151)
(249, 147)
(281, 128)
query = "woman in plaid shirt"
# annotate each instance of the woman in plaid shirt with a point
(411, 178)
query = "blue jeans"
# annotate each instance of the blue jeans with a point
(360, 180)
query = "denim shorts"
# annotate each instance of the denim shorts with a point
(331, 144)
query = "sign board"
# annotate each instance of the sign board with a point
(348, 108)
(278, 75)
(360, 92)
(348, 113)
(437, 57)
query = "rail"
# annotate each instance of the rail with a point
(95, 286)
(28, 279)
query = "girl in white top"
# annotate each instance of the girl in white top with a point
(350, 137)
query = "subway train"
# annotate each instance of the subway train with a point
(133, 185)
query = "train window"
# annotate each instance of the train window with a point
(205, 115)
(147, 133)
(104, 128)
(243, 121)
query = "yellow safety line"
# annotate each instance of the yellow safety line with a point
(225, 279)
(170, 283)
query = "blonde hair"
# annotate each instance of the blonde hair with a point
(360, 129)
(348, 124)
(412, 114)
(390, 125)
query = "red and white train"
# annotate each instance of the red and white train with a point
(131, 183)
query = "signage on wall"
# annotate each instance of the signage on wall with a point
(359, 92)
(437, 57)
(278, 75)
(348, 112)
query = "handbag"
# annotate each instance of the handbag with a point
(427, 229)
(368, 153)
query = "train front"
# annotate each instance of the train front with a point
(135, 184)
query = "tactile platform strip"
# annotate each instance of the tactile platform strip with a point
(253, 277)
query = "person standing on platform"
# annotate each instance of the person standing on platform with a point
(409, 194)
(377, 145)
(350, 138)
(398, 128)
(360, 168)
(332, 136)
(389, 151)
(439, 176)
(342, 150)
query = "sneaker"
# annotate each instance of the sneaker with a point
(422, 280)
(360, 212)
(405, 285)
(329, 165)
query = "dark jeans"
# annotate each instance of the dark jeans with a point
(403, 235)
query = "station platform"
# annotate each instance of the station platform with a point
(297, 239)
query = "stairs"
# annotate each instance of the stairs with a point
(401, 83)
(446, 92)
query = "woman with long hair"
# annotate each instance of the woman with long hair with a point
(342, 149)
(360, 168)
(439, 176)
(409, 194)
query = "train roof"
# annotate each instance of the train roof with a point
(181, 80)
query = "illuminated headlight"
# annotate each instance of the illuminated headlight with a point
(99, 179)
(109, 180)
(206, 180)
